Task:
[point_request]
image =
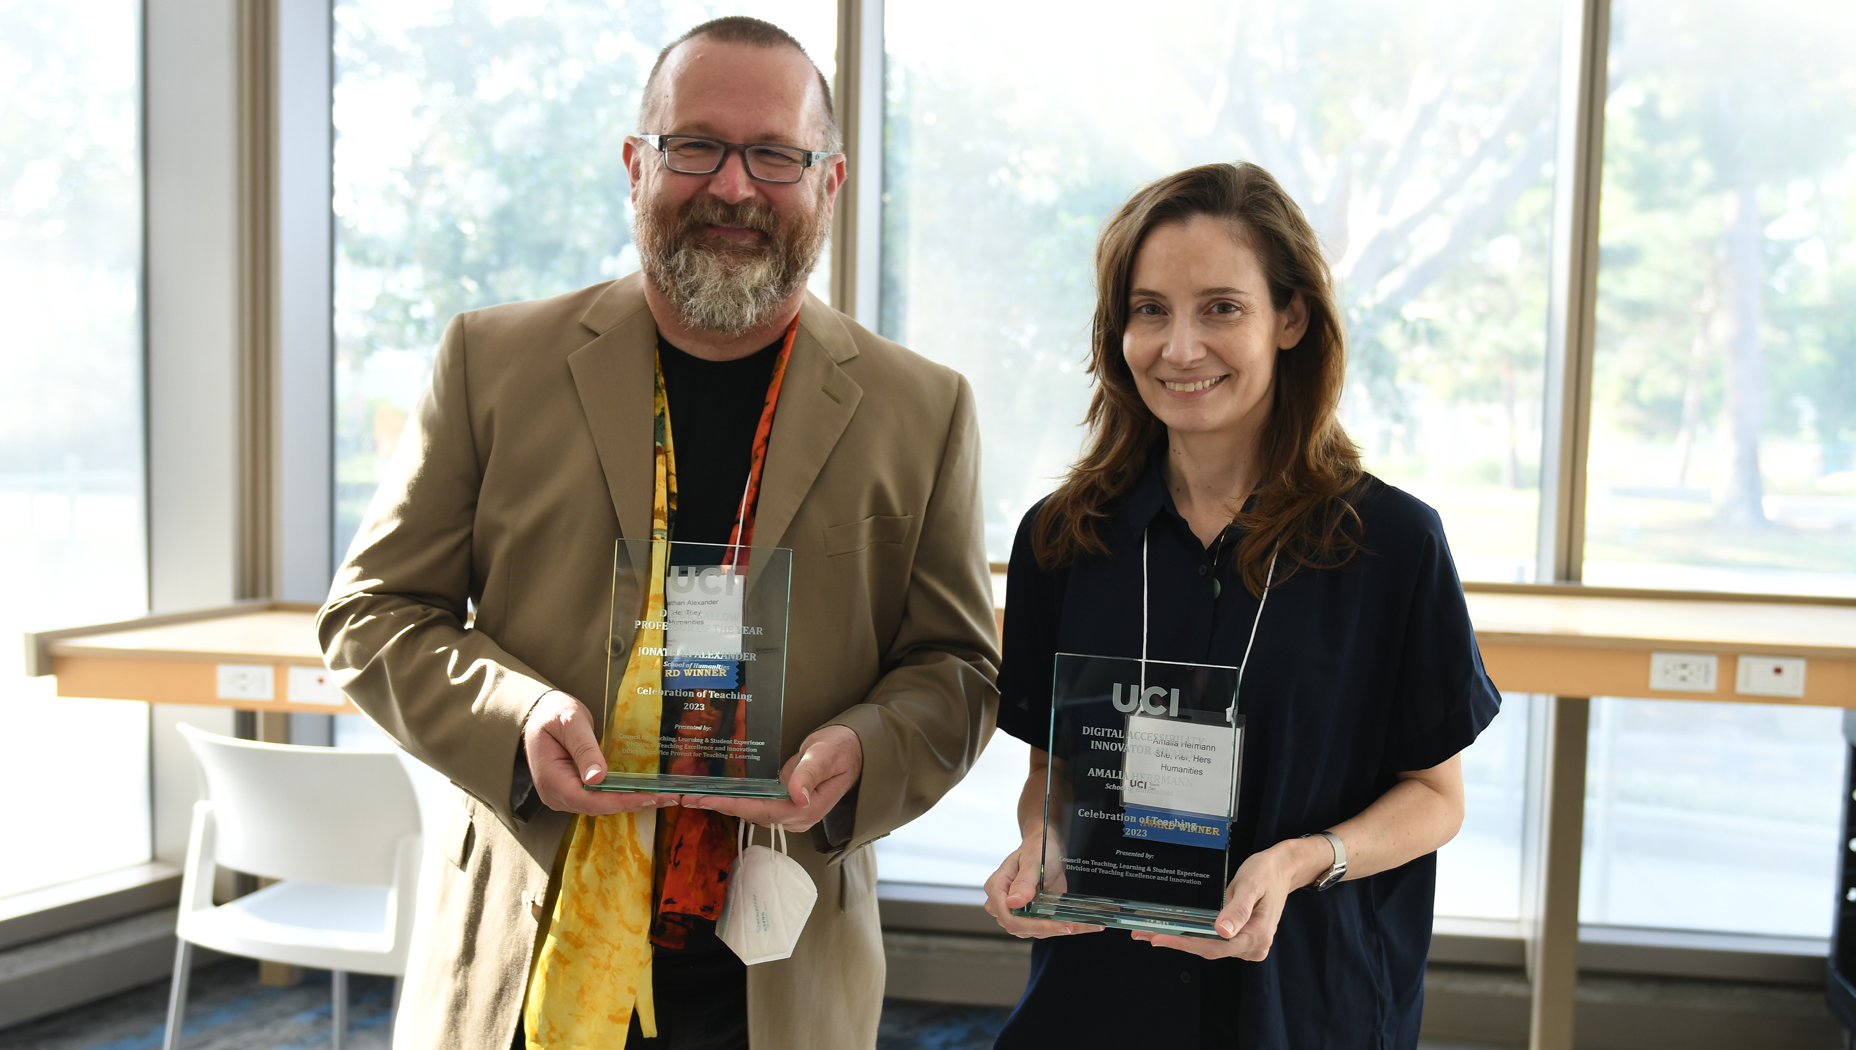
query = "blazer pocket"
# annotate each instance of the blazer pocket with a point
(854, 536)
(459, 839)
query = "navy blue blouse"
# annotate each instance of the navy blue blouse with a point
(1359, 673)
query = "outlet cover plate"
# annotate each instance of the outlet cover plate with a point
(1684, 672)
(1770, 676)
(247, 682)
(314, 685)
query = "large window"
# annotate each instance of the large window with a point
(1712, 816)
(1479, 872)
(477, 161)
(71, 460)
(1418, 139)
(1724, 400)
(1723, 419)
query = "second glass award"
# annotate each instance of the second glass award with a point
(1145, 758)
(696, 672)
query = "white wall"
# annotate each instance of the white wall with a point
(191, 120)
(191, 80)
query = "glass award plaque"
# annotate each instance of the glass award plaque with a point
(1145, 758)
(696, 675)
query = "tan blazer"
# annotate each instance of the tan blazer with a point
(528, 457)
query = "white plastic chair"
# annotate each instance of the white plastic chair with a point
(339, 829)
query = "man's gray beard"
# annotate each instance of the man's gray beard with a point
(730, 292)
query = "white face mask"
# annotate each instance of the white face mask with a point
(769, 898)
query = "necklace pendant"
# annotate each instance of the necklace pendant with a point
(1216, 588)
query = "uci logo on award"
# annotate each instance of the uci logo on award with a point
(1138, 697)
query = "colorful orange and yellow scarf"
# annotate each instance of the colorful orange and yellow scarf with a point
(631, 880)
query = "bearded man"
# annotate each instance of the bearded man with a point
(471, 617)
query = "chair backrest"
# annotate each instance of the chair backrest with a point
(313, 813)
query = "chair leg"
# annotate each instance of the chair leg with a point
(177, 993)
(338, 987)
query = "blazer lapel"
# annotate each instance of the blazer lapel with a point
(817, 400)
(614, 376)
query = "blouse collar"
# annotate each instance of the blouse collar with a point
(1149, 495)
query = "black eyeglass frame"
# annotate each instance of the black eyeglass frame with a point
(808, 157)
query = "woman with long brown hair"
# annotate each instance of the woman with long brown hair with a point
(1219, 516)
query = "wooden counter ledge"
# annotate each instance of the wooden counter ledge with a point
(1559, 640)
(178, 658)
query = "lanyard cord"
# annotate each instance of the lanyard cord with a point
(1268, 579)
(741, 515)
(740, 535)
(1143, 608)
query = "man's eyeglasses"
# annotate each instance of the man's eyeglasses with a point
(767, 162)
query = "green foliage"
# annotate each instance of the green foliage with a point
(1711, 95)
(1814, 389)
(1416, 144)
(509, 184)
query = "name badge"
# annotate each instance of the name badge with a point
(1176, 780)
(702, 642)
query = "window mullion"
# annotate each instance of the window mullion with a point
(1573, 297)
(856, 247)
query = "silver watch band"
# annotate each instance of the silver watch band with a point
(1339, 870)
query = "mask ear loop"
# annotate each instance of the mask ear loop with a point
(776, 837)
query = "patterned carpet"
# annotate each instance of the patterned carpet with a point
(228, 1010)
(937, 1026)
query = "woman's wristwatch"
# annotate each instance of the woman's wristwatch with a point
(1339, 870)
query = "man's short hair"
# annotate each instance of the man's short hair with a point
(738, 29)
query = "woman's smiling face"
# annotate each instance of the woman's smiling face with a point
(1202, 334)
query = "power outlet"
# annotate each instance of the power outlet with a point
(247, 682)
(313, 685)
(1684, 672)
(1770, 676)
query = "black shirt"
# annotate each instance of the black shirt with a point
(1359, 673)
(714, 408)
